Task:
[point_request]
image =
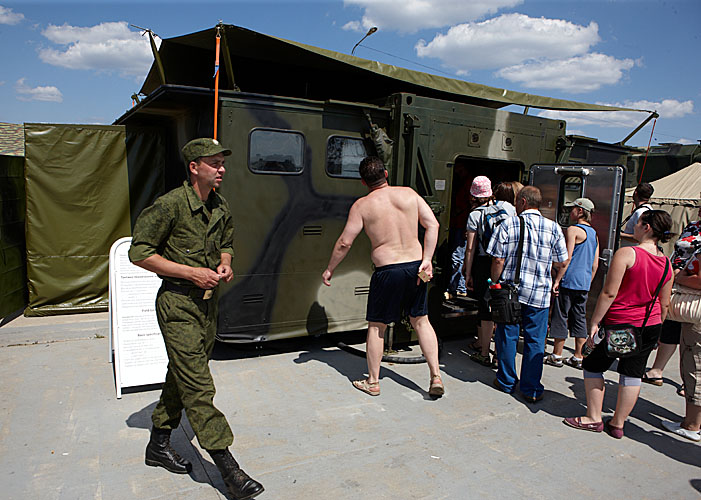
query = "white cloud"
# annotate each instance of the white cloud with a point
(667, 109)
(508, 40)
(577, 74)
(7, 16)
(104, 47)
(409, 16)
(46, 94)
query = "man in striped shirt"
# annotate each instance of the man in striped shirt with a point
(543, 248)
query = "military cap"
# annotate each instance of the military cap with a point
(203, 146)
(584, 203)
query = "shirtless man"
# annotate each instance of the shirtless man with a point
(390, 216)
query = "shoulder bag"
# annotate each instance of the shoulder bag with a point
(623, 341)
(503, 302)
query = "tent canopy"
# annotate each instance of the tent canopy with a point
(679, 194)
(258, 63)
(683, 187)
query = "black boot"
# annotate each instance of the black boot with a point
(239, 484)
(159, 453)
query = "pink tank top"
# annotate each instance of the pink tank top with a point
(637, 288)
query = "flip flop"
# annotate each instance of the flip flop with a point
(652, 380)
(373, 389)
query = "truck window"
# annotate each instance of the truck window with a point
(571, 188)
(272, 151)
(343, 156)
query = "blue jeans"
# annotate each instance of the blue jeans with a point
(534, 322)
(457, 257)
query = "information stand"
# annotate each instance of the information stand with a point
(136, 344)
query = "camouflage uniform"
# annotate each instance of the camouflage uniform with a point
(181, 228)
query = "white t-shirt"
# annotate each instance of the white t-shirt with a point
(628, 229)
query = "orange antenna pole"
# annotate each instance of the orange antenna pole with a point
(216, 82)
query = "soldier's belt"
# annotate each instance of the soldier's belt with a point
(190, 291)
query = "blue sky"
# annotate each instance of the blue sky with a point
(80, 62)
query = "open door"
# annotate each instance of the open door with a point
(603, 185)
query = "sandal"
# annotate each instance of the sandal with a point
(481, 359)
(552, 360)
(574, 362)
(436, 389)
(367, 387)
(474, 345)
(652, 380)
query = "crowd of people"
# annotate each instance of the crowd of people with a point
(507, 241)
(554, 278)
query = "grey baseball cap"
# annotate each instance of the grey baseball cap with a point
(204, 146)
(584, 203)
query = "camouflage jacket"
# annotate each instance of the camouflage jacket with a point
(179, 227)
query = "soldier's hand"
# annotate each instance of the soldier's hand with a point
(204, 277)
(225, 272)
(326, 276)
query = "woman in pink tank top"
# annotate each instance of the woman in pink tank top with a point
(632, 280)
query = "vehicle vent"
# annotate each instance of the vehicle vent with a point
(253, 298)
(362, 290)
(311, 231)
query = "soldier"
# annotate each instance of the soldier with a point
(186, 237)
(390, 217)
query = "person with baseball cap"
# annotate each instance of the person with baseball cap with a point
(571, 292)
(186, 237)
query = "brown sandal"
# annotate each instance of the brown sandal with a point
(436, 389)
(367, 387)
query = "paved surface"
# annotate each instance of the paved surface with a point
(304, 432)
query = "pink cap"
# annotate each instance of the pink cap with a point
(481, 187)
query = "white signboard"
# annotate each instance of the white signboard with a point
(135, 340)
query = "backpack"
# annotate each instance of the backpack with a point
(492, 216)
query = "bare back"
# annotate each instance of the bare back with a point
(391, 217)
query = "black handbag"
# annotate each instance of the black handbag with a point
(503, 302)
(623, 341)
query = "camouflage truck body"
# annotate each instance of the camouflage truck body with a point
(293, 176)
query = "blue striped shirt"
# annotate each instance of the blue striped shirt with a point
(543, 243)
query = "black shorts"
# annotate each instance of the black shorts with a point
(671, 332)
(634, 366)
(393, 290)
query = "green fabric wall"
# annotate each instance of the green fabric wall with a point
(77, 206)
(13, 274)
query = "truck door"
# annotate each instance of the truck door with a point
(602, 184)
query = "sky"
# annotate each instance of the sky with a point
(80, 62)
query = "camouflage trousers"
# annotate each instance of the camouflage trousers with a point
(188, 327)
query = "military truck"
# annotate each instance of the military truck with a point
(299, 119)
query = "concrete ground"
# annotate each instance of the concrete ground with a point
(304, 432)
